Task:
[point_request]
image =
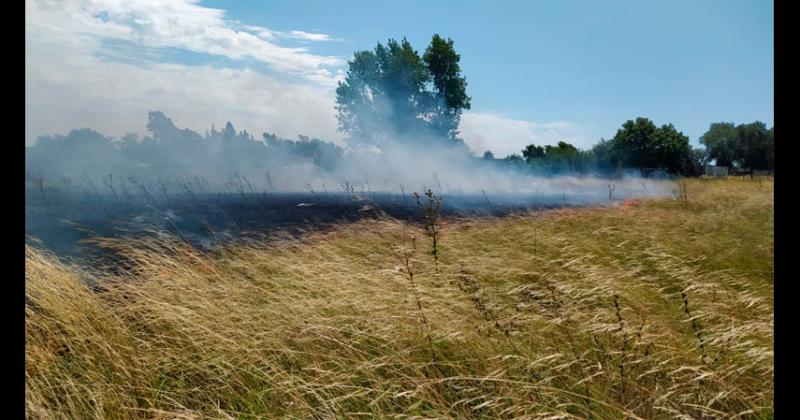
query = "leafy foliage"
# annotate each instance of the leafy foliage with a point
(392, 92)
(450, 96)
(640, 144)
(563, 158)
(749, 146)
(170, 152)
(720, 142)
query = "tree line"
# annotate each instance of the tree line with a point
(393, 93)
(397, 100)
(640, 144)
(171, 152)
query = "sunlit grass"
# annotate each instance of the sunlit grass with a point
(646, 309)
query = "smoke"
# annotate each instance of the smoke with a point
(228, 185)
(224, 160)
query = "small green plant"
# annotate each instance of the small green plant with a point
(405, 255)
(431, 210)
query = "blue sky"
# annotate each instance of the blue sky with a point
(537, 71)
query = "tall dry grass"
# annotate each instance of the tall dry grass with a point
(649, 309)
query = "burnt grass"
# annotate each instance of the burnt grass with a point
(64, 223)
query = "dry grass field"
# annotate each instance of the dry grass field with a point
(645, 309)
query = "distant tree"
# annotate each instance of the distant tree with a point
(132, 147)
(172, 152)
(745, 146)
(698, 161)
(166, 133)
(531, 152)
(392, 92)
(488, 155)
(323, 154)
(771, 149)
(79, 151)
(177, 150)
(561, 158)
(514, 161)
(81, 140)
(672, 150)
(640, 144)
(130, 139)
(755, 146)
(605, 158)
(562, 149)
(721, 143)
(700, 155)
(228, 133)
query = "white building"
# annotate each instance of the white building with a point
(712, 170)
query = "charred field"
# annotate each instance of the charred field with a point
(66, 222)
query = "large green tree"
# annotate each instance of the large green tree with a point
(394, 93)
(756, 147)
(721, 143)
(532, 152)
(745, 146)
(640, 144)
(604, 155)
(450, 88)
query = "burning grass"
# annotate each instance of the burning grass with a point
(655, 308)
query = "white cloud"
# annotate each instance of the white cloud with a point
(177, 24)
(310, 36)
(271, 35)
(503, 136)
(75, 79)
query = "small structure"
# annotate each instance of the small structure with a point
(713, 170)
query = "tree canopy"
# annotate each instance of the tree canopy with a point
(394, 93)
(640, 144)
(562, 158)
(745, 146)
(720, 143)
(172, 152)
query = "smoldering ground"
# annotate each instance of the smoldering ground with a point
(228, 185)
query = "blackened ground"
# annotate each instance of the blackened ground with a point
(61, 222)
